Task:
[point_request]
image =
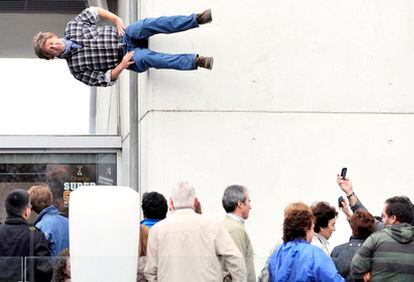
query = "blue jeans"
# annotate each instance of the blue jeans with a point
(144, 58)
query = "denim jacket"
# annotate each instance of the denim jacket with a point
(55, 227)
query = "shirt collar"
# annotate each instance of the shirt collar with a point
(48, 210)
(235, 217)
(149, 222)
(70, 48)
(15, 220)
(183, 211)
(321, 239)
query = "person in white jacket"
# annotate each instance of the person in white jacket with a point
(186, 246)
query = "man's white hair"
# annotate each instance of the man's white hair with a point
(183, 195)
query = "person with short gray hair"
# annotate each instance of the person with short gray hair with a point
(236, 202)
(185, 246)
(232, 195)
(183, 195)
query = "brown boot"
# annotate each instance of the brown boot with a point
(204, 17)
(204, 62)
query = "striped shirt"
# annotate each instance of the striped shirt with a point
(387, 254)
(92, 64)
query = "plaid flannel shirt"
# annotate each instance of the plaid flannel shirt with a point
(92, 64)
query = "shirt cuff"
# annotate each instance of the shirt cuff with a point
(358, 206)
(94, 12)
(108, 78)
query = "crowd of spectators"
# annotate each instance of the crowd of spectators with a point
(189, 246)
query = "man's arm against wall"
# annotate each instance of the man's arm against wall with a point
(124, 64)
(117, 21)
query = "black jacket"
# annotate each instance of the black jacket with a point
(342, 256)
(15, 250)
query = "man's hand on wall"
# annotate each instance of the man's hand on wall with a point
(120, 26)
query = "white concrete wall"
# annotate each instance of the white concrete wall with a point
(113, 109)
(299, 89)
(107, 105)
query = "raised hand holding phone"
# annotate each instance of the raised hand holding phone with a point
(340, 199)
(343, 172)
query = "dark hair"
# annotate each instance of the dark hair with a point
(154, 205)
(61, 261)
(323, 212)
(16, 201)
(231, 197)
(362, 224)
(296, 224)
(402, 208)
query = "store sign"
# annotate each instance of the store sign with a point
(63, 173)
(73, 176)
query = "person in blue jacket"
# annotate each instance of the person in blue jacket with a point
(296, 259)
(154, 207)
(48, 220)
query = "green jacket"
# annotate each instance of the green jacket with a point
(242, 241)
(387, 254)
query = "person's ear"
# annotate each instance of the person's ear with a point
(197, 206)
(26, 213)
(196, 203)
(172, 205)
(393, 219)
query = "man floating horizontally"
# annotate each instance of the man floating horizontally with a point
(96, 55)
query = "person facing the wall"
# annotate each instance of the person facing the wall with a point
(48, 220)
(154, 207)
(236, 202)
(388, 255)
(362, 225)
(296, 206)
(22, 246)
(325, 220)
(296, 259)
(186, 246)
(62, 267)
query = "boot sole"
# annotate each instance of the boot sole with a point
(207, 17)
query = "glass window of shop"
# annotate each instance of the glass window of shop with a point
(63, 172)
(42, 97)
